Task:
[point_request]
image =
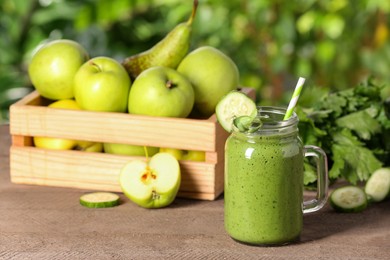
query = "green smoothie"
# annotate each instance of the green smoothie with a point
(264, 187)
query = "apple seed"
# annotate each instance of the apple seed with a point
(148, 176)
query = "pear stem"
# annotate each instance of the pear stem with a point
(194, 8)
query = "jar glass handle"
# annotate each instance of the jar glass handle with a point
(322, 179)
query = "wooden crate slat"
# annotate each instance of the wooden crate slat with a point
(182, 133)
(65, 184)
(199, 196)
(93, 169)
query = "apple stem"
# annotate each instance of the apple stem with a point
(95, 65)
(146, 154)
(170, 84)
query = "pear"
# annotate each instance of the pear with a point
(167, 53)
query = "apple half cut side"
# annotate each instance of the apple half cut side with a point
(152, 184)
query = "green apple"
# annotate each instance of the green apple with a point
(88, 146)
(54, 143)
(177, 153)
(128, 149)
(152, 184)
(161, 91)
(212, 75)
(192, 155)
(102, 84)
(53, 66)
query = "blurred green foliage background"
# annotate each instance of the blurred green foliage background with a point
(333, 43)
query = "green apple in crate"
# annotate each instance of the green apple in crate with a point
(151, 184)
(161, 91)
(53, 66)
(88, 146)
(189, 155)
(129, 149)
(192, 155)
(102, 84)
(212, 74)
(53, 143)
(177, 153)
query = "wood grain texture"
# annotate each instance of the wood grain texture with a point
(97, 171)
(31, 117)
(181, 133)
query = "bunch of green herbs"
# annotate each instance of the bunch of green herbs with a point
(353, 127)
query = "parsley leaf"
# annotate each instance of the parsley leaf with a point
(351, 159)
(360, 122)
(352, 126)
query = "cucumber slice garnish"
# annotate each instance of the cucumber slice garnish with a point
(235, 104)
(99, 200)
(348, 199)
(378, 185)
(247, 123)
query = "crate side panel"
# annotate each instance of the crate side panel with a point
(65, 165)
(106, 127)
(197, 177)
(219, 178)
(65, 184)
(30, 165)
(198, 196)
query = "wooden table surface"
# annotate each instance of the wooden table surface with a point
(49, 223)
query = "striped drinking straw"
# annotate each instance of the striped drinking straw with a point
(294, 98)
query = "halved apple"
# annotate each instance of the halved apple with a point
(152, 184)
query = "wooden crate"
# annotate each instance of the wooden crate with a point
(100, 171)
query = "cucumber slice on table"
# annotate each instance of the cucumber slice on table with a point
(99, 200)
(233, 105)
(348, 199)
(378, 185)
